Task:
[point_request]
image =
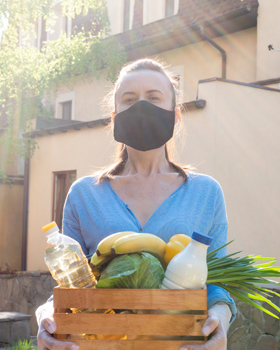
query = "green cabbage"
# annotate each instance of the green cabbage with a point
(137, 270)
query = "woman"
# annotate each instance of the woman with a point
(144, 191)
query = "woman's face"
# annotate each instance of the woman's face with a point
(146, 85)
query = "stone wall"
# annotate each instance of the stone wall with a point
(24, 291)
(251, 330)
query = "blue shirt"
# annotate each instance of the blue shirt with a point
(93, 211)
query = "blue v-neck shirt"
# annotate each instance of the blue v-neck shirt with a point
(93, 211)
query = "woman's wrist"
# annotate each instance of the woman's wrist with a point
(224, 311)
(44, 311)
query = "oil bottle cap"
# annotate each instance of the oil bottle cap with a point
(201, 238)
(50, 228)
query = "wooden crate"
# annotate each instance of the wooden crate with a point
(72, 325)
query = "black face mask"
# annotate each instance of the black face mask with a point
(144, 126)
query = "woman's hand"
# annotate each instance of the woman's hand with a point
(47, 326)
(216, 324)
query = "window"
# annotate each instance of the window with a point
(153, 11)
(89, 23)
(126, 15)
(169, 8)
(41, 33)
(61, 184)
(66, 110)
(65, 106)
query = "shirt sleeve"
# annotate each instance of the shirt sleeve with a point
(71, 225)
(218, 233)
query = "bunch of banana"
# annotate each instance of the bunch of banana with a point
(124, 243)
(104, 246)
(97, 262)
(140, 242)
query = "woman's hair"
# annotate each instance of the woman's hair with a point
(122, 155)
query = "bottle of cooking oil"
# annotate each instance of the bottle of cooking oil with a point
(66, 260)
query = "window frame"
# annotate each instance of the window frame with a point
(167, 8)
(63, 106)
(54, 194)
(69, 96)
(161, 11)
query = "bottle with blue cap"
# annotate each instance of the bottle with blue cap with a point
(188, 269)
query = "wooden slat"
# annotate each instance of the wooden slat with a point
(129, 324)
(153, 299)
(134, 344)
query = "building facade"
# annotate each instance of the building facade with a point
(229, 79)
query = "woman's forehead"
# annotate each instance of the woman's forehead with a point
(144, 80)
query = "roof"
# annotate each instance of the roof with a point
(218, 17)
(229, 81)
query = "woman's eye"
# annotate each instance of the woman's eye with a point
(153, 98)
(130, 100)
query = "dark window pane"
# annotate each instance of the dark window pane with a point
(90, 23)
(67, 110)
(62, 183)
(43, 38)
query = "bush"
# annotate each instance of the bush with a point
(23, 345)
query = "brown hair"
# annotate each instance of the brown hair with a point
(122, 155)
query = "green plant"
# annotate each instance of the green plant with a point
(29, 77)
(242, 277)
(23, 345)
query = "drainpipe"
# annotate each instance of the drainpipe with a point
(25, 215)
(218, 47)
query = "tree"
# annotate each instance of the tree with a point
(28, 75)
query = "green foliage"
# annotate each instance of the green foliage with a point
(29, 76)
(22, 345)
(241, 277)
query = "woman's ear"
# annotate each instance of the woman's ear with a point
(177, 114)
(113, 116)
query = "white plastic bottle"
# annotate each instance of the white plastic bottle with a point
(66, 260)
(188, 269)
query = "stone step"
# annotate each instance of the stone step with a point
(13, 327)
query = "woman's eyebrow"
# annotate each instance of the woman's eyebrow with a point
(128, 93)
(149, 91)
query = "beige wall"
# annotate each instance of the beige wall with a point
(235, 139)
(88, 97)
(202, 60)
(85, 151)
(268, 62)
(11, 204)
(196, 62)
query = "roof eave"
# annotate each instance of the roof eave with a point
(172, 32)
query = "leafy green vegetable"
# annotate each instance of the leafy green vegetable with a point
(240, 277)
(136, 270)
